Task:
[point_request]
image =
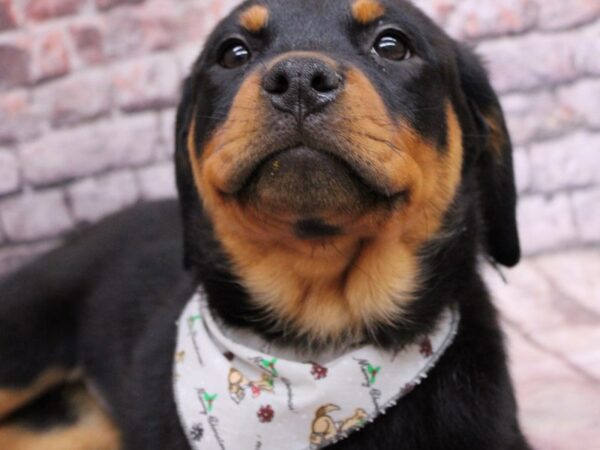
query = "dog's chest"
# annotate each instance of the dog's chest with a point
(234, 391)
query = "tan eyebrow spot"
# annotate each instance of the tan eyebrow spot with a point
(367, 11)
(255, 19)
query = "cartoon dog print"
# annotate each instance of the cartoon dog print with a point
(238, 384)
(325, 429)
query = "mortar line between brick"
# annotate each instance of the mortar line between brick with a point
(551, 86)
(578, 370)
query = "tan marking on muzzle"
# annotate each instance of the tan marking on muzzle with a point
(368, 131)
(237, 139)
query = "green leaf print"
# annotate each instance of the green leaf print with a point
(209, 399)
(270, 365)
(195, 318)
(373, 372)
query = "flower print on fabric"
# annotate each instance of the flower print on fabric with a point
(318, 371)
(265, 414)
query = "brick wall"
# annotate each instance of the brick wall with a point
(88, 90)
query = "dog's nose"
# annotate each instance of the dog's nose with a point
(301, 85)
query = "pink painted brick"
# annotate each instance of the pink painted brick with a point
(217, 9)
(586, 55)
(88, 150)
(222, 7)
(545, 223)
(439, 10)
(522, 170)
(14, 65)
(132, 140)
(565, 163)
(513, 68)
(147, 84)
(473, 19)
(95, 198)
(157, 182)
(559, 14)
(51, 56)
(19, 118)
(34, 217)
(165, 151)
(536, 116)
(187, 56)
(139, 30)
(48, 9)
(587, 214)
(76, 99)
(167, 133)
(583, 100)
(7, 15)
(88, 39)
(107, 4)
(10, 178)
(198, 18)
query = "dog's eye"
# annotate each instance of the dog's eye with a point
(234, 54)
(392, 45)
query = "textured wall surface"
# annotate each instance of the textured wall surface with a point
(88, 87)
(87, 96)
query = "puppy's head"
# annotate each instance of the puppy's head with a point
(328, 147)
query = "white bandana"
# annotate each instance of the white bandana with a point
(232, 397)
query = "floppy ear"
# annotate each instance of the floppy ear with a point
(494, 164)
(190, 205)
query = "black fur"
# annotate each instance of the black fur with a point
(108, 300)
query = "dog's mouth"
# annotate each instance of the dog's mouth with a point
(312, 187)
(300, 157)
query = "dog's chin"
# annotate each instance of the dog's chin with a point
(313, 189)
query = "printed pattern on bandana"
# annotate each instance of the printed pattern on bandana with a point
(232, 397)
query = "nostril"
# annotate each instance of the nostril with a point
(325, 82)
(301, 86)
(277, 84)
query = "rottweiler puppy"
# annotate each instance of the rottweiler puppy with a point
(343, 167)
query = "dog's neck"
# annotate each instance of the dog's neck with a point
(237, 306)
(335, 291)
